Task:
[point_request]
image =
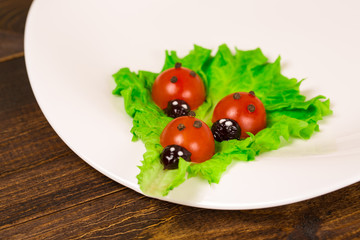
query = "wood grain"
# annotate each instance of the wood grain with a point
(13, 14)
(11, 45)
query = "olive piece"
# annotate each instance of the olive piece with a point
(169, 157)
(226, 129)
(177, 108)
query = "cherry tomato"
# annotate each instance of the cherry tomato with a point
(192, 134)
(178, 83)
(245, 108)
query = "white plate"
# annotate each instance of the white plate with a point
(73, 47)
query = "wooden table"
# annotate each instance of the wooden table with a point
(48, 192)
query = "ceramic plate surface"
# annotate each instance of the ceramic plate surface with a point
(73, 47)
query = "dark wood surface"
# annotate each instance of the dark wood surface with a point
(48, 192)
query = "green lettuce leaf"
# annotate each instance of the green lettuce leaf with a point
(289, 114)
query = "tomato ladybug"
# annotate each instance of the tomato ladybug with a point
(178, 88)
(245, 109)
(190, 133)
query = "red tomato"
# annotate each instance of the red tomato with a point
(178, 83)
(192, 134)
(245, 108)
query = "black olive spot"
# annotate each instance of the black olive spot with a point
(251, 108)
(197, 124)
(177, 65)
(192, 73)
(252, 93)
(192, 114)
(236, 96)
(173, 79)
(181, 127)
